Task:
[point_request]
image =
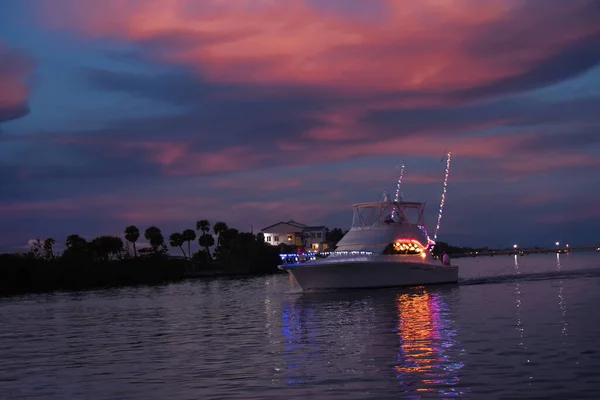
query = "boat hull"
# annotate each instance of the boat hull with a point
(369, 274)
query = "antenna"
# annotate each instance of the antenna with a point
(437, 228)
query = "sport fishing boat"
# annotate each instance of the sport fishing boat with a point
(386, 246)
(383, 248)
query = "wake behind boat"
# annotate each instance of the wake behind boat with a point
(386, 246)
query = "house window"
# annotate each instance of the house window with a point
(318, 235)
(269, 238)
(290, 237)
(276, 238)
(312, 235)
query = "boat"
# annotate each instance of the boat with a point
(387, 246)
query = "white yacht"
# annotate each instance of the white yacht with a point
(387, 246)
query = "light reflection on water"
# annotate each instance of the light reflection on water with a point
(520, 328)
(426, 337)
(329, 334)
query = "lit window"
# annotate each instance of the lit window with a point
(290, 237)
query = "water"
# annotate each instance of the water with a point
(523, 327)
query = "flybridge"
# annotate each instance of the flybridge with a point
(372, 214)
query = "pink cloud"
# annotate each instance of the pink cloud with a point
(161, 153)
(15, 67)
(420, 45)
(427, 47)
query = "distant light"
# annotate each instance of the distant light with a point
(515, 246)
(567, 245)
(557, 243)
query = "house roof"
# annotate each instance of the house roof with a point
(315, 228)
(291, 223)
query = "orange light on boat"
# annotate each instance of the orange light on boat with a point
(408, 245)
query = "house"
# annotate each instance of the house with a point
(296, 234)
(314, 238)
(290, 232)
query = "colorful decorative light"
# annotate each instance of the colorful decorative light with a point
(430, 242)
(398, 185)
(437, 228)
(408, 245)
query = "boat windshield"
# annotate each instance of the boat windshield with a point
(385, 213)
(377, 215)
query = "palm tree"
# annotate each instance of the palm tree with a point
(155, 237)
(206, 240)
(219, 228)
(176, 240)
(132, 234)
(203, 225)
(189, 235)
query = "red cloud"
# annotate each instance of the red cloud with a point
(420, 45)
(15, 67)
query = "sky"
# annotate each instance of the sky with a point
(165, 112)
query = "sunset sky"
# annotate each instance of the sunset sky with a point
(164, 112)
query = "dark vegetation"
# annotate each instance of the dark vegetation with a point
(108, 261)
(452, 250)
(111, 261)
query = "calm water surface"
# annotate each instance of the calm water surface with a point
(525, 327)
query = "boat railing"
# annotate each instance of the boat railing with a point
(290, 258)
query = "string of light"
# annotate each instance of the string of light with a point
(397, 197)
(437, 228)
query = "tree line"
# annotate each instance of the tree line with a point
(105, 248)
(114, 261)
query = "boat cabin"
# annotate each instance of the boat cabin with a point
(387, 227)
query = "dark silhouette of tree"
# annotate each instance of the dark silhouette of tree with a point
(228, 236)
(206, 240)
(37, 249)
(333, 236)
(260, 237)
(75, 242)
(103, 247)
(189, 235)
(203, 226)
(155, 237)
(219, 228)
(132, 234)
(76, 247)
(225, 239)
(48, 251)
(176, 240)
